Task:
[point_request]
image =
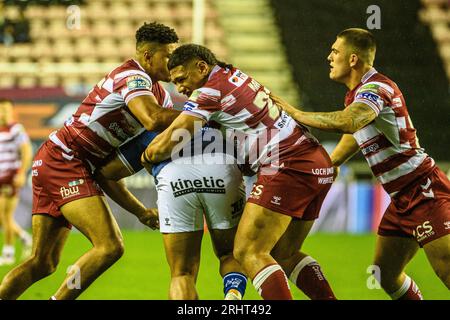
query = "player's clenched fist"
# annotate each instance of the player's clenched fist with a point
(150, 218)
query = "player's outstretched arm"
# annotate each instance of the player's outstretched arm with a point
(151, 115)
(120, 194)
(353, 118)
(183, 128)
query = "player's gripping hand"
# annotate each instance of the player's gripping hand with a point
(150, 218)
(283, 104)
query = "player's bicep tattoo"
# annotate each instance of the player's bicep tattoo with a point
(360, 115)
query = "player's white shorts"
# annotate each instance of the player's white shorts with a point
(188, 193)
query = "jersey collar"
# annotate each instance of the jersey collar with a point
(139, 65)
(368, 74)
(213, 71)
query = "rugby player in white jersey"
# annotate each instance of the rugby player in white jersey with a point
(196, 187)
(65, 192)
(376, 121)
(294, 170)
(15, 160)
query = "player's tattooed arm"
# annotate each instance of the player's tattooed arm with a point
(152, 116)
(353, 118)
(178, 134)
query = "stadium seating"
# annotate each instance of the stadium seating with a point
(255, 46)
(86, 46)
(67, 50)
(436, 14)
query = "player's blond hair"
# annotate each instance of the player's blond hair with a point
(361, 42)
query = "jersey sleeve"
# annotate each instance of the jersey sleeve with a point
(20, 135)
(167, 103)
(203, 103)
(134, 85)
(376, 95)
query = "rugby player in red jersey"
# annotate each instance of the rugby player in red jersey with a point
(276, 219)
(376, 121)
(65, 192)
(15, 160)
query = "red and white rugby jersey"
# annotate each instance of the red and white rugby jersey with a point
(103, 120)
(238, 102)
(11, 138)
(389, 143)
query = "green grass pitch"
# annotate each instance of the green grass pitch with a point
(142, 273)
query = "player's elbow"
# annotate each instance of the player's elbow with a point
(151, 124)
(348, 126)
(154, 154)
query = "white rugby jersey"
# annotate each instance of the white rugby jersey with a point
(103, 120)
(11, 138)
(389, 143)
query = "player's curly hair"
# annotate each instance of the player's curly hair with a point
(155, 32)
(185, 53)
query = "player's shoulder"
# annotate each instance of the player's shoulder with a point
(16, 128)
(379, 83)
(230, 77)
(129, 70)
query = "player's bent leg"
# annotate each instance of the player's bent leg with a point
(392, 254)
(7, 254)
(10, 204)
(183, 255)
(438, 253)
(258, 231)
(92, 217)
(49, 237)
(303, 270)
(234, 279)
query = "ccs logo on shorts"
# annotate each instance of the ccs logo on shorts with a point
(423, 231)
(257, 191)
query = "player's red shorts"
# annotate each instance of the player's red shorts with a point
(7, 188)
(57, 181)
(299, 186)
(421, 211)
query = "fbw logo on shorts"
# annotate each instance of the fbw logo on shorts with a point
(69, 192)
(423, 231)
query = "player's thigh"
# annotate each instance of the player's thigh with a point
(2, 208)
(223, 241)
(392, 254)
(259, 230)
(10, 207)
(292, 240)
(438, 253)
(93, 217)
(49, 237)
(183, 252)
